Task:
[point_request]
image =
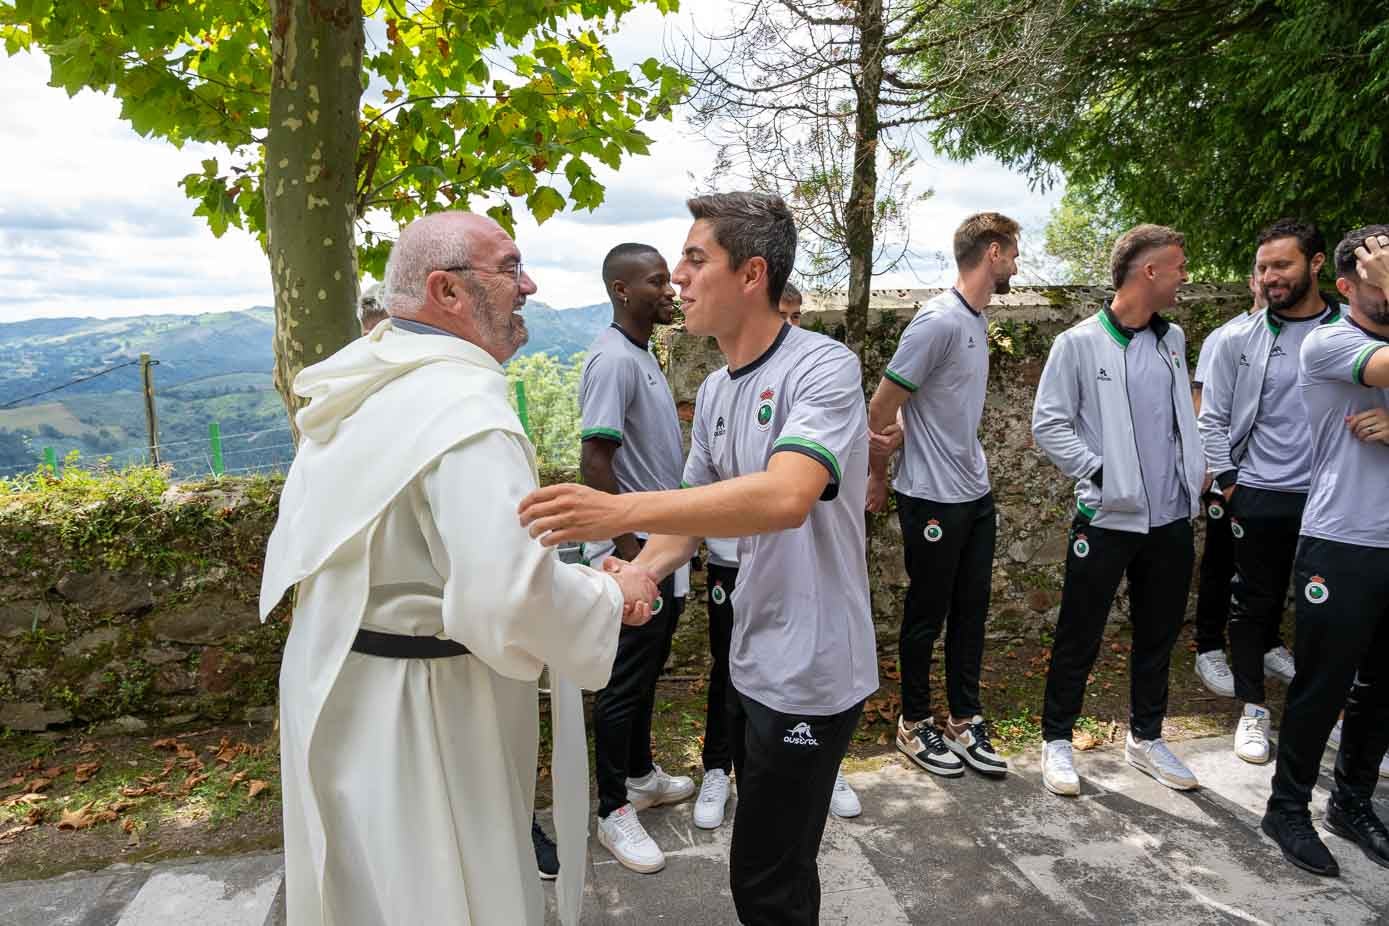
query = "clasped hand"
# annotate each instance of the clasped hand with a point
(639, 590)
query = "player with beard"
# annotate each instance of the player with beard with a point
(1341, 577)
(1258, 445)
(937, 378)
(632, 443)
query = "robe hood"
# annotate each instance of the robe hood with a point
(424, 394)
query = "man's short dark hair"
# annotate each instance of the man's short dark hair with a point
(1136, 241)
(749, 225)
(1310, 240)
(976, 233)
(789, 293)
(1345, 251)
(613, 263)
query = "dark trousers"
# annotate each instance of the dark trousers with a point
(785, 782)
(1216, 570)
(949, 550)
(723, 733)
(1342, 643)
(1158, 566)
(1265, 526)
(622, 711)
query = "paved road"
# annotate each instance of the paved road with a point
(925, 851)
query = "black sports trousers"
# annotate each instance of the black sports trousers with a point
(723, 737)
(1342, 644)
(949, 551)
(1215, 572)
(1158, 565)
(785, 782)
(1264, 525)
(622, 710)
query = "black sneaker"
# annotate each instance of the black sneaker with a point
(1356, 820)
(1299, 841)
(922, 744)
(969, 739)
(546, 856)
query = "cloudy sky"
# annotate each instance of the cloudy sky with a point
(93, 223)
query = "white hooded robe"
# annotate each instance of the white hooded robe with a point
(409, 783)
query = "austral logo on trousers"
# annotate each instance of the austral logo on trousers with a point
(800, 735)
(765, 409)
(1316, 591)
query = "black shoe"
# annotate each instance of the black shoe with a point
(1355, 820)
(1299, 841)
(546, 856)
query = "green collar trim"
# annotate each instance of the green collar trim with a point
(1120, 337)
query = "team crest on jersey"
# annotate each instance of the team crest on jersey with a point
(1236, 529)
(933, 531)
(1215, 511)
(718, 594)
(1316, 591)
(1081, 546)
(1176, 361)
(657, 605)
(765, 409)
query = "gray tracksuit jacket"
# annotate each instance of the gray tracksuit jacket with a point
(1083, 420)
(1230, 397)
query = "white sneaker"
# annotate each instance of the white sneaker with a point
(1334, 741)
(1152, 757)
(1251, 736)
(1278, 663)
(622, 834)
(1384, 766)
(1214, 672)
(658, 788)
(844, 802)
(713, 798)
(1059, 770)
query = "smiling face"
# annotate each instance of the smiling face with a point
(1168, 265)
(1285, 274)
(646, 289)
(1003, 265)
(714, 295)
(492, 293)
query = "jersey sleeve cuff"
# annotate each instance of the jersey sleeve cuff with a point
(1362, 361)
(901, 380)
(611, 434)
(818, 453)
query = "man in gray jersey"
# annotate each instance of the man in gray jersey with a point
(1258, 448)
(779, 457)
(1137, 490)
(1341, 578)
(631, 443)
(937, 378)
(1217, 555)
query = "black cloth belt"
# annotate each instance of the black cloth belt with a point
(402, 646)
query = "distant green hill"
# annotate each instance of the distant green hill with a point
(211, 367)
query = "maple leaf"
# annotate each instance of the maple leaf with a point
(257, 786)
(1083, 741)
(78, 819)
(85, 771)
(191, 782)
(237, 778)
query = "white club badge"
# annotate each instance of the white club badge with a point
(1316, 591)
(1081, 547)
(717, 594)
(657, 605)
(765, 409)
(1236, 529)
(1215, 511)
(933, 531)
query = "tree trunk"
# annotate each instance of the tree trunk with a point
(310, 175)
(863, 192)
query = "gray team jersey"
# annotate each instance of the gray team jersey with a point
(723, 551)
(1207, 355)
(802, 625)
(1159, 447)
(624, 397)
(943, 361)
(1349, 497)
(1279, 457)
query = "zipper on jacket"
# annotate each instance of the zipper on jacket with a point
(1137, 453)
(1176, 427)
(1258, 405)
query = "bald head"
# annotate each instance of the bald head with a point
(435, 242)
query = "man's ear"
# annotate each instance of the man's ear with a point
(619, 290)
(754, 271)
(1344, 286)
(441, 288)
(1316, 263)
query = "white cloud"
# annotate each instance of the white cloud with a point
(92, 221)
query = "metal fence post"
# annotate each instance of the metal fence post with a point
(214, 436)
(50, 459)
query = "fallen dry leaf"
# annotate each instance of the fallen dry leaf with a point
(38, 784)
(237, 778)
(18, 779)
(86, 749)
(191, 782)
(23, 798)
(78, 819)
(85, 771)
(105, 816)
(170, 743)
(53, 772)
(128, 824)
(185, 753)
(13, 832)
(34, 816)
(1083, 741)
(120, 806)
(168, 768)
(257, 786)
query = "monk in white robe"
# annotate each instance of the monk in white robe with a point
(409, 782)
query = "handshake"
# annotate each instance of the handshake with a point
(639, 590)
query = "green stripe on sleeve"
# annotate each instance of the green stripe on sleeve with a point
(901, 381)
(1085, 510)
(1358, 371)
(817, 449)
(609, 433)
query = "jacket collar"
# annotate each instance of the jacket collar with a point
(1276, 322)
(1120, 334)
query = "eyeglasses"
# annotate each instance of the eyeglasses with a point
(515, 272)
